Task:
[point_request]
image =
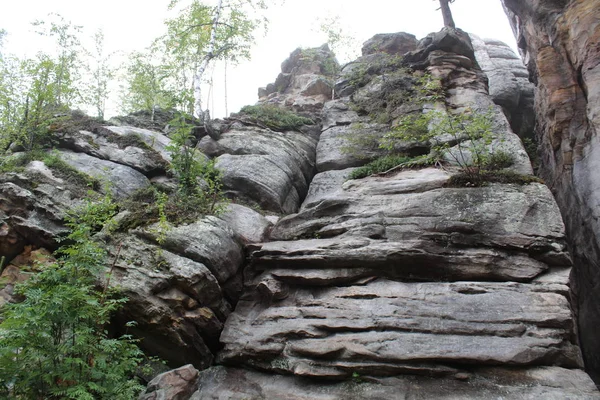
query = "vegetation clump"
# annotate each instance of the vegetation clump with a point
(275, 118)
(199, 191)
(379, 165)
(69, 174)
(463, 179)
(54, 344)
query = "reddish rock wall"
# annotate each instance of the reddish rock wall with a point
(560, 42)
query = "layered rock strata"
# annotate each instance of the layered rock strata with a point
(559, 41)
(399, 285)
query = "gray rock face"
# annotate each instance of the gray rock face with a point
(209, 241)
(177, 303)
(388, 281)
(248, 225)
(305, 82)
(141, 149)
(123, 181)
(268, 168)
(345, 303)
(33, 204)
(390, 43)
(182, 290)
(508, 83)
(552, 383)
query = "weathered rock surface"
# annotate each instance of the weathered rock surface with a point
(398, 281)
(341, 306)
(508, 83)
(33, 204)
(376, 91)
(138, 148)
(305, 82)
(178, 384)
(552, 383)
(272, 169)
(559, 42)
(182, 290)
(268, 168)
(390, 43)
(122, 180)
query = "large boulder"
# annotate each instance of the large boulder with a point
(508, 83)
(260, 166)
(305, 82)
(390, 43)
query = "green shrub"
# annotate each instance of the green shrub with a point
(388, 162)
(275, 118)
(498, 160)
(54, 344)
(484, 177)
(464, 138)
(379, 165)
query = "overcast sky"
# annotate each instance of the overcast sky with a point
(132, 24)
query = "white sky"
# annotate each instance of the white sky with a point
(132, 25)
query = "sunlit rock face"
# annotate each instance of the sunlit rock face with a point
(400, 285)
(560, 42)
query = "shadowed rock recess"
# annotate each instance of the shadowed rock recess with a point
(312, 285)
(399, 285)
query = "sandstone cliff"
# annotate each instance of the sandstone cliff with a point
(560, 42)
(313, 285)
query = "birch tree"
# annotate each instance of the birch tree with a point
(202, 34)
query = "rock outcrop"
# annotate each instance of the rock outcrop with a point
(398, 284)
(403, 283)
(559, 41)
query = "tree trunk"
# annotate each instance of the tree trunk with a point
(198, 112)
(447, 14)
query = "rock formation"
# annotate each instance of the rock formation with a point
(403, 283)
(398, 284)
(560, 42)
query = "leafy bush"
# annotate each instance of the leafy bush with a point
(54, 344)
(465, 138)
(275, 118)
(379, 165)
(498, 160)
(190, 169)
(484, 177)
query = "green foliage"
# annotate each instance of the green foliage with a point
(35, 92)
(379, 165)
(531, 147)
(54, 343)
(464, 179)
(498, 160)
(363, 72)
(275, 118)
(465, 138)
(200, 186)
(101, 72)
(343, 43)
(388, 162)
(146, 85)
(68, 62)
